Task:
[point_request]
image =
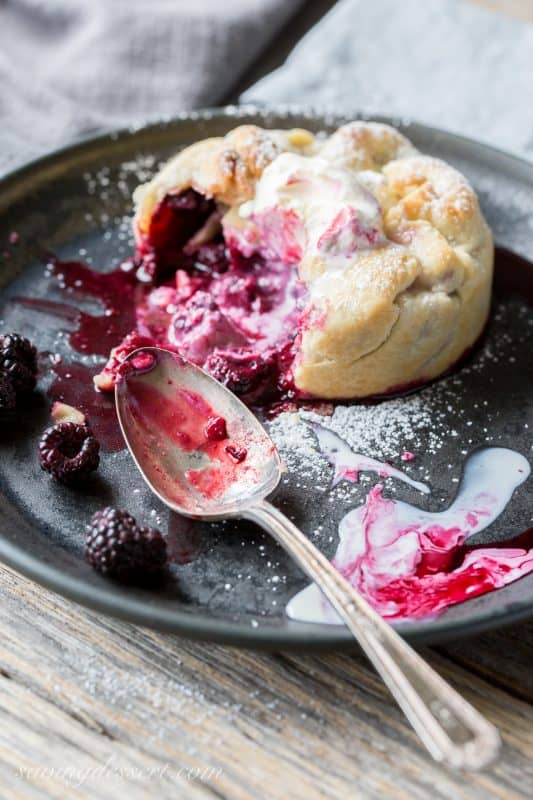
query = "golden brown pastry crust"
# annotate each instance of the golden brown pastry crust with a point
(399, 313)
(225, 168)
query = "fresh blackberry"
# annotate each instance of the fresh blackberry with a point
(117, 547)
(18, 362)
(8, 396)
(69, 452)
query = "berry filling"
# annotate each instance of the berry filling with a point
(238, 454)
(105, 380)
(234, 311)
(8, 396)
(175, 222)
(171, 418)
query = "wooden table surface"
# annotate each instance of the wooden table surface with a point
(95, 708)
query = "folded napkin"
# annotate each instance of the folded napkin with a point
(71, 67)
(449, 64)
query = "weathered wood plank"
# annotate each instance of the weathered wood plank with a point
(77, 689)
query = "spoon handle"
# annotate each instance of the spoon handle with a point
(450, 728)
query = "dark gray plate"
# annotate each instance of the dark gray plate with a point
(75, 201)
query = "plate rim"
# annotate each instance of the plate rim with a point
(201, 626)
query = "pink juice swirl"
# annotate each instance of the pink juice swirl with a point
(348, 464)
(409, 563)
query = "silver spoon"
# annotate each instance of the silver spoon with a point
(450, 728)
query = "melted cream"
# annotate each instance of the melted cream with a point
(348, 464)
(411, 563)
(338, 215)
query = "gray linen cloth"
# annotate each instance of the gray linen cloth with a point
(70, 67)
(443, 62)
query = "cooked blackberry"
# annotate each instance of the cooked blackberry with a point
(8, 396)
(69, 452)
(119, 548)
(249, 376)
(106, 379)
(18, 361)
(237, 453)
(211, 257)
(176, 219)
(216, 429)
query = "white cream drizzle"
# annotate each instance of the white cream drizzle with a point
(383, 542)
(339, 214)
(349, 464)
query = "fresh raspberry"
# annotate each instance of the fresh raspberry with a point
(8, 396)
(69, 452)
(18, 362)
(117, 547)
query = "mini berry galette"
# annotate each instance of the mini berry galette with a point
(289, 265)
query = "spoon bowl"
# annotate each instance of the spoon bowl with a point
(164, 418)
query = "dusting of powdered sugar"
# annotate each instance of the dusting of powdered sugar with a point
(383, 430)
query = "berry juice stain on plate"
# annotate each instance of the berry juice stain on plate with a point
(73, 385)
(410, 563)
(117, 291)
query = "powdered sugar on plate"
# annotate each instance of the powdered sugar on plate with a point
(383, 430)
